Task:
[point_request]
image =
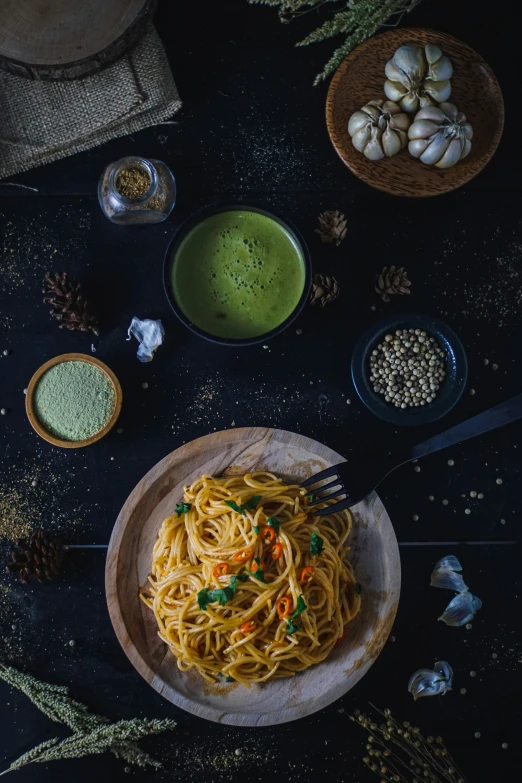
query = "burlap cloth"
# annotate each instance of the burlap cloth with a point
(44, 121)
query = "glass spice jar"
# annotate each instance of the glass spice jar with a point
(136, 190)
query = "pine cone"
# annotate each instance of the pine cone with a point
(392, 280)
(40, 555)
(324, 290)
(332, 227)
(68, 303)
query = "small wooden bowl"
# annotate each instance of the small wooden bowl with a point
(474, 90)
(31, 413)
(374, 555)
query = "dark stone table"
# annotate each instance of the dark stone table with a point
(252, 129)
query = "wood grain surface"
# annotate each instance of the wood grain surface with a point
(31, 413)
(475, 91)
(64, 39)
(375, 557)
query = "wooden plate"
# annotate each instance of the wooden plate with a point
(475, 91)
(35, 422)
(66, 39)
(375, 558)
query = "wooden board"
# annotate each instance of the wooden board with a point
(64, 39)
(375, 557)
(475, 91)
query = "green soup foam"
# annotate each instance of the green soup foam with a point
(238, 274)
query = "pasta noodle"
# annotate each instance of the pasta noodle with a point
(247, 583)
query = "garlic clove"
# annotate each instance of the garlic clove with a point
(357, 121)
(441, 70)
(451, 156)
(361, 138)
(391, 143)
(391, 107)
(400, 122)
(393, 73)
(433, 53)
(466, 150)
(403, 136)
(410, 103)
(417, 147)
(430, 113)
(425, 100)
(372, 111)
(440, 91)
(434, 152)
(377, 102)
(373, 149)
(467, 130)
(421, 129)
(410, 60)
(449, 110)
(394, 90)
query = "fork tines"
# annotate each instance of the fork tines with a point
(321, 476)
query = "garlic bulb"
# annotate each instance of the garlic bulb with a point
(379, 129)
(418, 77)
(440, 136)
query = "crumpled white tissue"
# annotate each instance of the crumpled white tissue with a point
(150, 336)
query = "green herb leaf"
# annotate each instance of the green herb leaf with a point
(182, 508)
(316, 544)
(242, 576)
(311, 498)
(292, 627)
(221, 596)
(273, 522)
(256, 529)
(259, 574)
(229, 679)
(250, 504)
(358, 588)
(234, 506)
(257, 560)
(203, 599)
(301, 606)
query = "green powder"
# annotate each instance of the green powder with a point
(74, 400)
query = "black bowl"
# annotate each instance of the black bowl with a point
(450, 391)
(188, 225)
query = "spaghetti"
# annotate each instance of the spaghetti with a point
(247, 583)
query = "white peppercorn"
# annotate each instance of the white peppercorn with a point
(407, 368)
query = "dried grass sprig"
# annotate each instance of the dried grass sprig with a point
(399, 753)
(113, 737)
(357, 20)
(92, 734)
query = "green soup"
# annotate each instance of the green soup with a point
(238, 274)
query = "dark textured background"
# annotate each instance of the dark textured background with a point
(252, 129)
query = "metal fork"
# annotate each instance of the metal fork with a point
(356, 480)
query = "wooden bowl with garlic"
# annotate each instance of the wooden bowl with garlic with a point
(414, 112)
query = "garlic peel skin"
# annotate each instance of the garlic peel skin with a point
(440, 136)
(379, 129)
(418, 77)
(450, 561)
(431, 682)
(447, 579)
(461, 609)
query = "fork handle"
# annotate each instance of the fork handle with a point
(508, 411)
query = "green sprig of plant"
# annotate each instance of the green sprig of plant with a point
(92, 734)
(357, 20)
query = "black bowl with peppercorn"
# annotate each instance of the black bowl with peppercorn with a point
(409, 369)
